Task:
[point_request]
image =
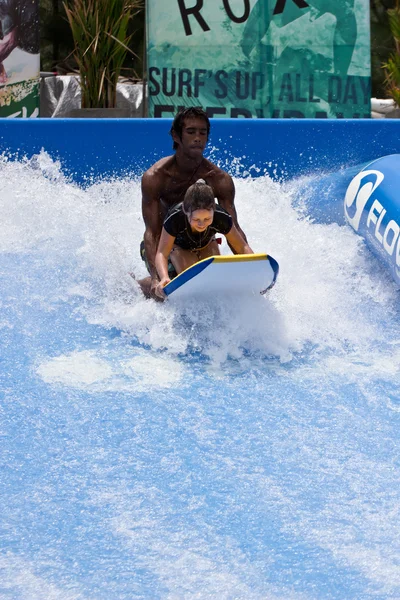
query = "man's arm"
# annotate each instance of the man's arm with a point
(236, 242)
(7, 44)
(256, 26)
(152, 220)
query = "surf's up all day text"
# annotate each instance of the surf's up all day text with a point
(292, 88)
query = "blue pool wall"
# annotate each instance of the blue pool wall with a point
(89, 148)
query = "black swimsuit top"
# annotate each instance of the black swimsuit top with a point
(176, 224)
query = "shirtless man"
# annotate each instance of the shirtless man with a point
(164, 185)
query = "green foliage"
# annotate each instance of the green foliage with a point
(394, 24)
(392, 66)
(392, 69)
(381, 44)
(100, 30)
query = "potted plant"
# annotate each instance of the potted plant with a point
(100, 30)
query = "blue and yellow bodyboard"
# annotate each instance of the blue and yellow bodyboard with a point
(237, 274)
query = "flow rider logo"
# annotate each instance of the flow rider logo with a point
(372, 216)
(358, 193)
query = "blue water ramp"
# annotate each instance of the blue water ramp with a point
(243, 449)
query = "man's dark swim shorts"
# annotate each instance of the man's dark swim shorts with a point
(171, 269)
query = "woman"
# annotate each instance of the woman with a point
(188, 233)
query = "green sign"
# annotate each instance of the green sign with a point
(19, 58)
(20, 99)
(260, 58)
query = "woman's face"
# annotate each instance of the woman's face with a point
(201, 219)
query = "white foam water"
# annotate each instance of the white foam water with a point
(230, 450)
(330, 292)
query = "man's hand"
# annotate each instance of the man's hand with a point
(153, 288)
(159, 290)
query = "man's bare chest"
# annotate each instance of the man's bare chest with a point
(174, 190)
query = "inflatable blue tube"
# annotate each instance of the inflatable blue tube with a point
(372, 208)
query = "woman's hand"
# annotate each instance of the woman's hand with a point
(160, 287)
(161, 262)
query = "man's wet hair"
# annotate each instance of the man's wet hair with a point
(193, 112)
(199, 196)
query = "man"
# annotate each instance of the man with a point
(164, 185)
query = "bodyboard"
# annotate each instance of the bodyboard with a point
(238, 274)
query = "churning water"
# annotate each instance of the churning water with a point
(229, 451)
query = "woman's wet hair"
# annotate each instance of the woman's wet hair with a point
(193, 112)
(199, 196)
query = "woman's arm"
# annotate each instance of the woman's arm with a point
(165, 246)
(237, 242)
